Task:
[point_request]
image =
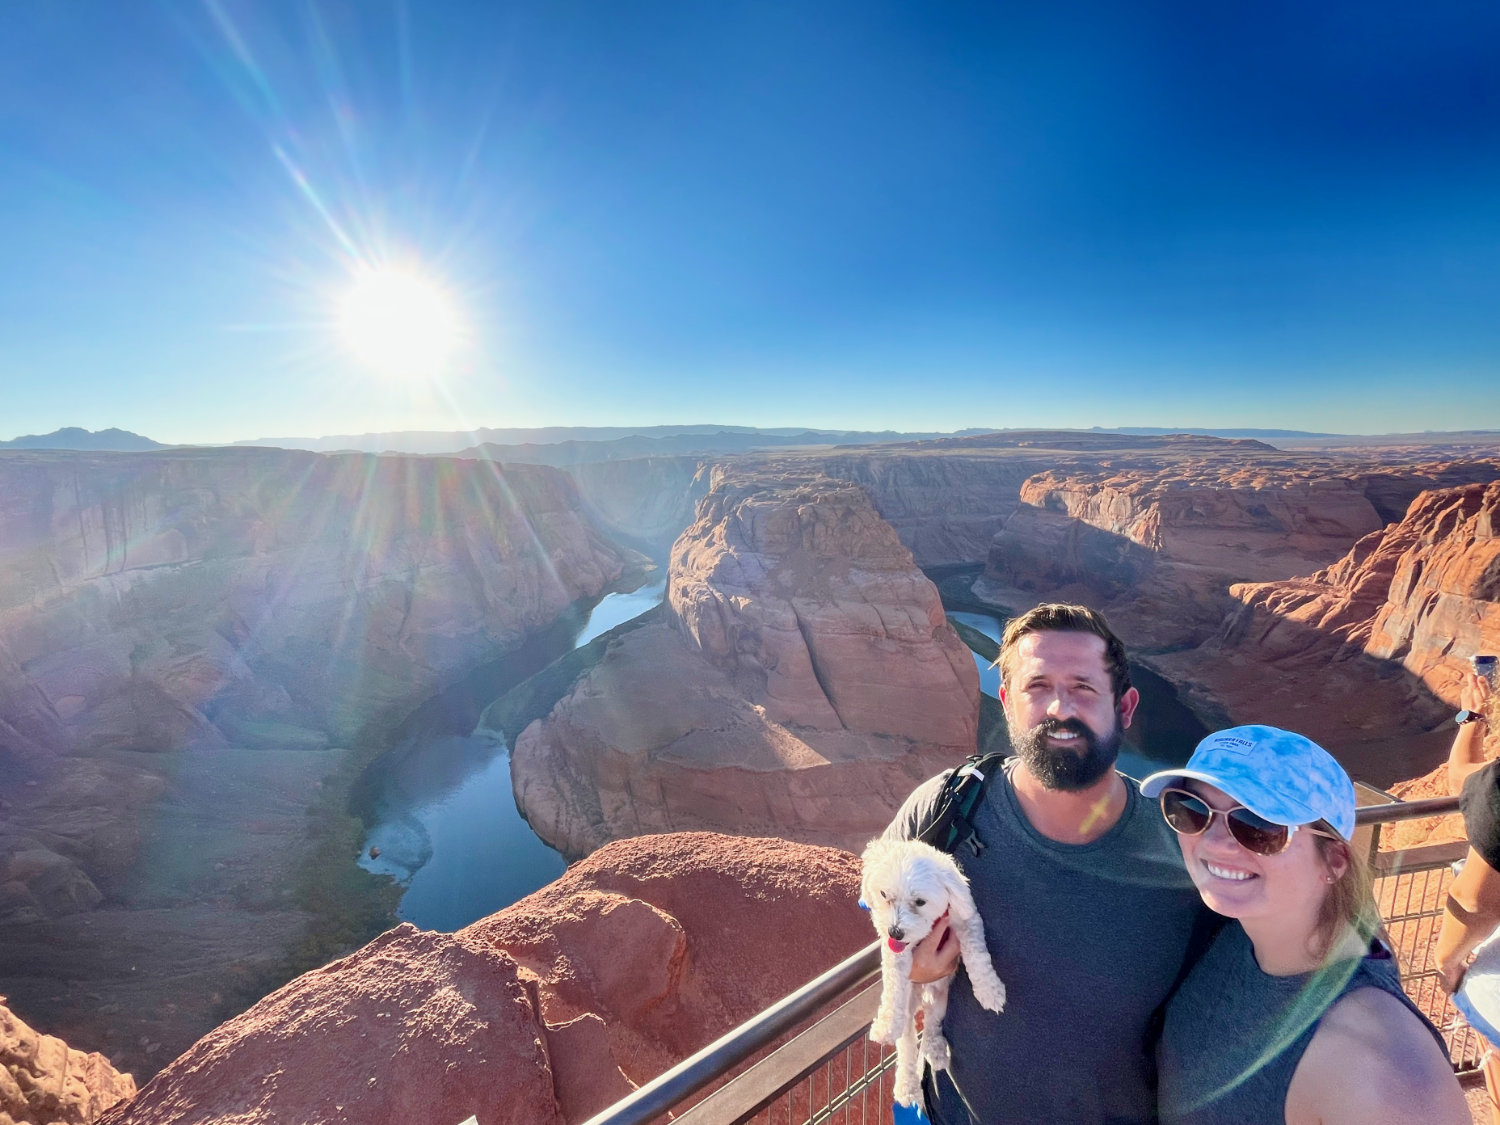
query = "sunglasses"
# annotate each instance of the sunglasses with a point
(1190, 815)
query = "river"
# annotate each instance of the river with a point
(447, 825)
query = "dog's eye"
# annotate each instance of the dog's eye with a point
(886, 895)
(919, 902)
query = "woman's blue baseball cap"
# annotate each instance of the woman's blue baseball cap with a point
(1281, 776)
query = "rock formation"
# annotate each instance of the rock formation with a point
(1366, 655)
(542, 1014)
(646, 501)
(1158, 542)
(946, 507)
(260, 598)
(151, 601)
(45, 1082)
(805, 682)
(183, 634)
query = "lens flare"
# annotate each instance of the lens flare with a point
(399, 324)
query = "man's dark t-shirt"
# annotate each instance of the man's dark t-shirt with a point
(1088, 939)
(1479, 801)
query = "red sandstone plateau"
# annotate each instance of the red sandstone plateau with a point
(45, 1082)
(1366, 655)
(542, 1014)
(805, 681)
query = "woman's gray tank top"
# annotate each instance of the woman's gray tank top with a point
(1234, 1035)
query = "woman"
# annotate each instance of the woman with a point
(1293, 1014)
(1472, 910)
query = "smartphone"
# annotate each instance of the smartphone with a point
(1485, 667)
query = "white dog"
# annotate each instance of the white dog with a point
(908, 886)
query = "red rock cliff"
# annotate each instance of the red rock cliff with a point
(542, 1014)
(807, 680)
(151, 601)
(1159, 541)
(1366, 655)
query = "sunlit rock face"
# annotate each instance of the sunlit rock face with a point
(152, 601)
(1367, 654)
(43, 1081)
(546, 1012)
(805, 681)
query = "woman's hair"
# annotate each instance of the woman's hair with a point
(1350, 902)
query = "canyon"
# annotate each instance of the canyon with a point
(197, 649)
(803, 681)
(201, 649)
(1367, 654)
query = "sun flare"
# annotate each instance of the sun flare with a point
(399, 324)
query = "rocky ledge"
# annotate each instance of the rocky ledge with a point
(43, 1081)
(804, 681)
(542, 1014)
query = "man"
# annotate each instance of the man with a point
(1087, 910)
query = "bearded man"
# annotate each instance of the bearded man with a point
(1088, 913)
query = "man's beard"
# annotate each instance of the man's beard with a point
(1066, 768)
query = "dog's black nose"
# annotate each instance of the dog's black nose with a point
(896, 932)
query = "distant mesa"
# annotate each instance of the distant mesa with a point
(75, 437)
(559, 445)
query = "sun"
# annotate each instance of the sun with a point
(399, 324)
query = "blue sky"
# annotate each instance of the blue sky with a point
(859, 214)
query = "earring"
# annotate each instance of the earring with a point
(1329, 879)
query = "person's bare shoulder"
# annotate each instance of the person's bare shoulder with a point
(1372, 1062)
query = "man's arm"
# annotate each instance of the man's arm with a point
(1467, 752)
(1470, 915)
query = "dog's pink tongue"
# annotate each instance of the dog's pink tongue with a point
(896, 946)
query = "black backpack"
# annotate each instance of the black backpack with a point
(948, 825)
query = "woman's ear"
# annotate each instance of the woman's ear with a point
(1335, 859)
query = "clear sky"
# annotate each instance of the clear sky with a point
(841, 214)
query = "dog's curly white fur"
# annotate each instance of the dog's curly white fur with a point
(908, 886)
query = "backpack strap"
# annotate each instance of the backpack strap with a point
(949, 823)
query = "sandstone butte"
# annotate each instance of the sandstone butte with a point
(804, 682)
(1366, 655)
(542, 1014)
(45, 1082)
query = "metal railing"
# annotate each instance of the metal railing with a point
(830, 1074)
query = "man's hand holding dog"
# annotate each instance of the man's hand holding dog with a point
(936, 955)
